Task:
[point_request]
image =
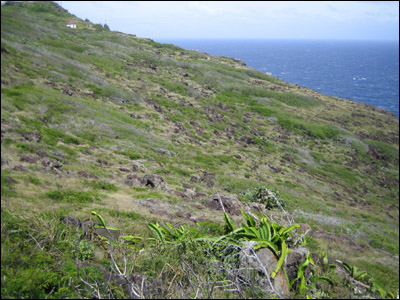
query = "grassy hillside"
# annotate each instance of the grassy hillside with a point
(87, 113)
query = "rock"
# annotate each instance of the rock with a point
(47, 162)
(231, 203)
(199, 195)
(103, 162)
(67, 91)
(163, 152)
(155, 181)
(57, 164)
(258, 207)
(85, 174)
(276, 169)
(41, 154)
(59, 155)
(71, 220)
(29, 158)
(208, 178)
(4, 161)
(20, 168)
(190, 193)
(194, 179)
(262, 260)
(99, 254)
(108, 233)
(247, 139)
(293, 260)
(33, 136)
(11, 180)
(179, 194)
(122, 169)
(134, 180)
(138, 167)
(4, 50)
(157, 108)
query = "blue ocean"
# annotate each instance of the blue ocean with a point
(363, 71)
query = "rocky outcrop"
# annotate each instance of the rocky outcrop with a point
(29, 158)
(293, 260)
(153, 180)
(231, 203)
(54, 165)
(85, 174)
(262, 262)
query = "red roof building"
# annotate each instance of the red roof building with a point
(71, 24)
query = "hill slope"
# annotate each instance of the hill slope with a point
(137, 130)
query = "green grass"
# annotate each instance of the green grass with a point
(71, 196)
(307, 129)
(332, 163)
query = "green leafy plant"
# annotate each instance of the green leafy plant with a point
(377, 288)
(354, 272)
(86, 250)
(272, 236)
(265, 196)
(177, 234)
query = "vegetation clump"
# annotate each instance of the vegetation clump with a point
(90, 116)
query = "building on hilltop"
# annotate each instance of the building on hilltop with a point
(71, 24)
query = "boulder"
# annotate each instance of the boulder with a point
(208, 178)
(33, 136)
(85, 174)
(134, 180)
(194, 179)
(110, 234)
(155, 181)
(138, 167)
(293, 260)
(200, 195)
(29, 158)
(72, 220)
(247, 139)
(231, 203)
(52, 164)
(9, 179)
(4, 161)
(260, 262)
(41, 153)
(20, 168)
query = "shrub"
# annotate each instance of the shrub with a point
(264, 196)
(86, 250)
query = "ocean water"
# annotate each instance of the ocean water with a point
(363, 71)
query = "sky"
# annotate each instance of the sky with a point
(163, 20)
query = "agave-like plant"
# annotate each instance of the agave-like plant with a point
(272, 236)
(303, 286)
(102, 222)
(354, 272)
(177, 234)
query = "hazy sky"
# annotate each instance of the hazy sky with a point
(354, 20)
